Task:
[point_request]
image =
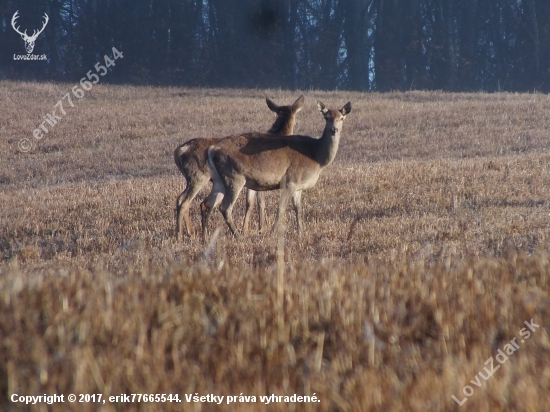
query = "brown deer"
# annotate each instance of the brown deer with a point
(261, 162)
(192, 160)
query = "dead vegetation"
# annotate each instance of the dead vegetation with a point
(426, 248)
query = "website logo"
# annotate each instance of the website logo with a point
(29, 40)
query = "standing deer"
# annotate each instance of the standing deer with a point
(262, 162)
(192, 160)
(29, 40)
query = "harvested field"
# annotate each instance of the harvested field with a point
(425, 250)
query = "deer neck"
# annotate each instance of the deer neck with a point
(283, 125)
(328, 146)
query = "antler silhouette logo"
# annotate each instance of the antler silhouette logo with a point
(29, 40)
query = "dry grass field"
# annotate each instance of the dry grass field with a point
(426, 248)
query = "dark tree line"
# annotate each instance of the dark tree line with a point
(349, 44)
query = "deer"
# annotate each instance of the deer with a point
(192, 160)
(29, 40)
(263, 162)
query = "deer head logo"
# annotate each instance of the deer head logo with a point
(29, 40)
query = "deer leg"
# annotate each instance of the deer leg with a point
(286, 193)
(250, 195)
(261, 210)
(233, 187)
(182, 206)
(297, 205)
(212, 200)
(180, 213)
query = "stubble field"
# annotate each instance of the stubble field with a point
(425, 250)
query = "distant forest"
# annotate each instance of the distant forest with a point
(366, 45)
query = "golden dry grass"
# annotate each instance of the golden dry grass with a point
(425, 249)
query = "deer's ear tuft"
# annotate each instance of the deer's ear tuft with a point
(272, 106)
(299, 103)
(346, 109)
(322, 108)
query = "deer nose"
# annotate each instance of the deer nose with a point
(334, 129)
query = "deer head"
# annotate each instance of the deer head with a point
(29, 40)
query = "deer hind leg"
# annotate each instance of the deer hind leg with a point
(182, 205)
(233, 187)
(212, 200)
(260, 197)
(297, 206)
(261, 210)
(180, 213)
(250, 195)
(286, 193)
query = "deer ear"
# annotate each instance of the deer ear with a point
(272, 106)
(322, 108)
(346, 109)
(299, 103)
